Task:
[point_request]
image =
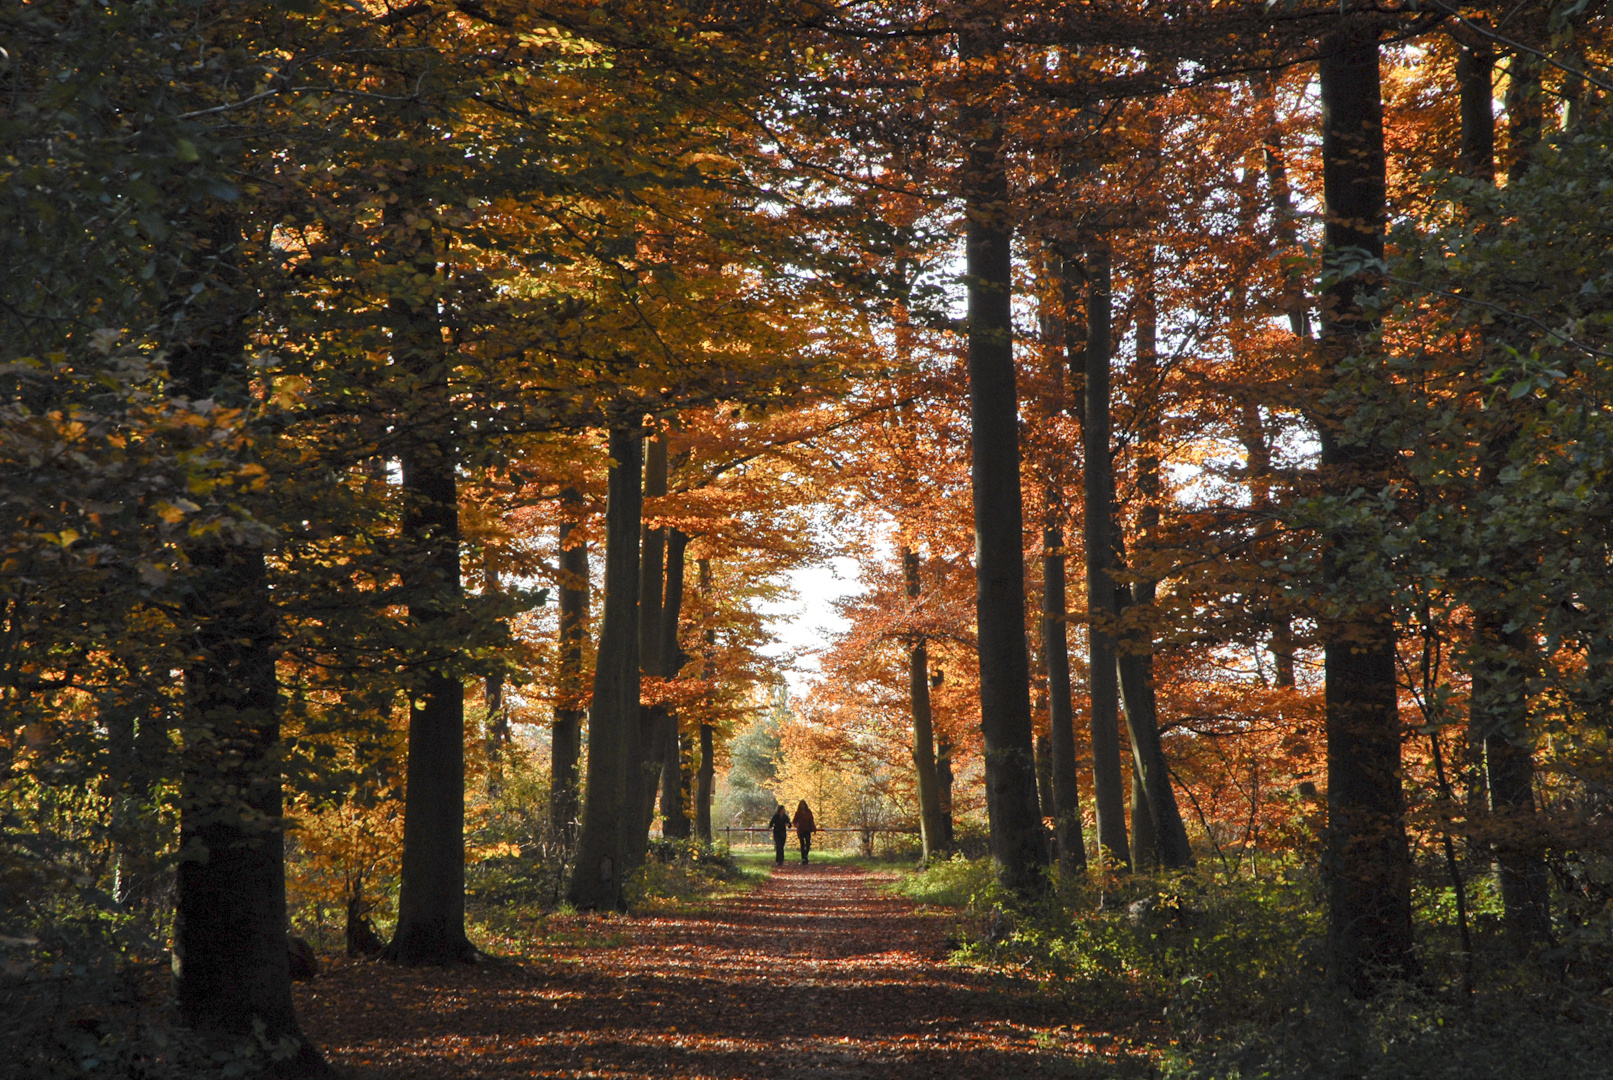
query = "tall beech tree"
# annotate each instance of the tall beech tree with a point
(706, 774)
(230, 964)
(918, 696)
(565, 733)
(674, 817)
(999, 513)
(1065, 807)
(1097, 478)
(1368, 860)
(610, 816)
(1499, 731)
(1166, 834)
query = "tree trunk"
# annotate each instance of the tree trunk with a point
(1368, 860)
(943, 783)
(705, 779)
(609, 821)
(1526, 117)
(703, 785)
(652, 717)
(1098, 486)
(1498, 718)
(431, 894)
(1475, 75)
(1167, 834)
(496, 722)
(1065, 807)
(918, 695)
(230, 964)
(1044, 774)
(674, 819)
(1144, 848)
(1282, 207)
(565, 733)
(999, 516)
(1257, 455)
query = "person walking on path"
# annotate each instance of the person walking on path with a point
(781, 832)
(805, 826)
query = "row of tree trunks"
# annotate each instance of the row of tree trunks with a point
(1368, 863)
(565, 733)
(610, 817)
(1005, 714)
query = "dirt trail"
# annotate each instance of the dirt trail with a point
(815, 974)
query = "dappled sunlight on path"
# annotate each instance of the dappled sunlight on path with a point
(815, 974)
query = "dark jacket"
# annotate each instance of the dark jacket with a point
(804, 822)
(780, 823)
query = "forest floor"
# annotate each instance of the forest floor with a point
(818, 972)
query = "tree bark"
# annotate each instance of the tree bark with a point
(1167, 835)
(1282, 207)
(230, 964)
(496, 722)
(674, 819)
(431, 894)
(943, 782)
(1098, 532)
(918, 695)
(1257, 455)
(705, 779)
(609, 821)
(565, 733)
(652, 717)
(1144, 847)
(1498, 716)
(999, 516)
(1368, 861)
(1526, 116)
(1065, 808)
(1475, 75)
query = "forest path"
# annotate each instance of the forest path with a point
(817, 973)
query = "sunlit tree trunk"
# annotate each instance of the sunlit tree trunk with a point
(999, 516)
(565, 733)
(1103, 680)
(1368, 859)
(610, 825)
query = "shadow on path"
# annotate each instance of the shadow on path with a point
(815, 974)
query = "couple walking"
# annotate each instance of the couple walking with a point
(804, 828)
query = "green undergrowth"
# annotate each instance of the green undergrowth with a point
(685, 873)
(1230, 970)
